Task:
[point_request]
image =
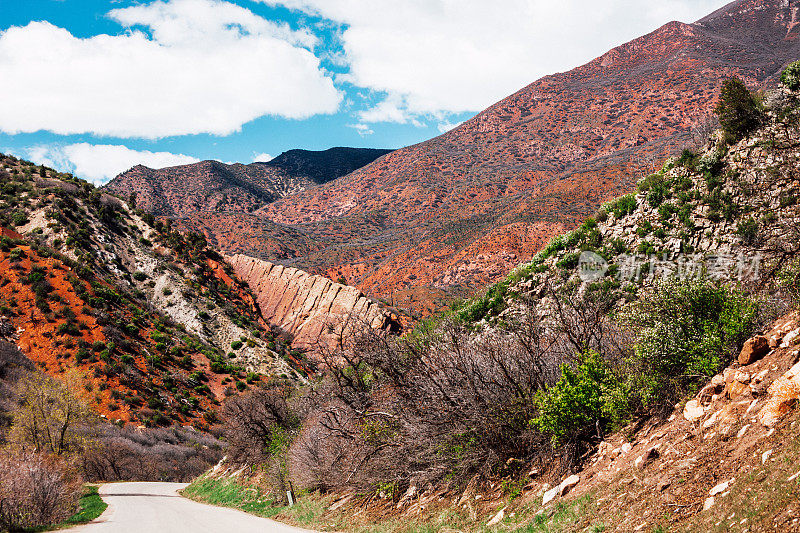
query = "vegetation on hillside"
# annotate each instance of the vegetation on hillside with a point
(545, 364)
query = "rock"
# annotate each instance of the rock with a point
(568, 483)
(626, 448)
(709, 503)
(693, 411)
(497, 518)
(646, 458)
(721, 487)
(563, 488)
(783, 394)
(311, 308)
(753, 350)
(789, 339)
(549, 495)
(766, 455)
(736, 389)
(742, 431)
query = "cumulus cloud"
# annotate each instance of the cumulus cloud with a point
(99, 163)
(181, 67)
(262, 158)
(448, 56)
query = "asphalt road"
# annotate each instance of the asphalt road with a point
(158, 508)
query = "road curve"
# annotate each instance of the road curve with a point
(158, 508)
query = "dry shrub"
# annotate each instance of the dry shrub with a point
(35, 490)
(159, 454)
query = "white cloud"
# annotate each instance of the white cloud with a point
(99, 163)
(447, 56)
(447, 126)
(182, 67)
(262, 158)
(362, 129)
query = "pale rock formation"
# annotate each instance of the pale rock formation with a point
(313, 309)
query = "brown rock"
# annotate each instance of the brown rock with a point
(753, 350)
(313, 309)
(783, 395)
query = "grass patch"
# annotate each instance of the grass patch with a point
(565, 516)
(227, 493)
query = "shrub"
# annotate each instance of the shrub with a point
(686, 330)
(737, 110)
(139, 275)
(236, 345)
(748, 230)
(623, 206)
(790, 78)
(35, 492)
(584, 399)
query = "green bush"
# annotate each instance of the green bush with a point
(236, 345)
(790, 78)
(737, 110)
(622, 206)
(686, 331)
(583, 399)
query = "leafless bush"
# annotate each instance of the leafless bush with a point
(259, 427)
(35, 491)
(157, 454)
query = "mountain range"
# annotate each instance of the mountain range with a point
(449, 215)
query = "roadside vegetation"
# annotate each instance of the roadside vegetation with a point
(532, 375)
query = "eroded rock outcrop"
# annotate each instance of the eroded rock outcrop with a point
(313, 309)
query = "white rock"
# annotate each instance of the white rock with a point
(627, 447)
(722, 487)
(742, 431)
(765, 456)
(790, 338)
(497, 518)
(708, 504)
(693, 411)
(792, 478)
(549, 495)
(568, 483)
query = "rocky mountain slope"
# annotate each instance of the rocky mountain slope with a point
(154, 320)
(461, 209)
(717, 451)
(216, 198)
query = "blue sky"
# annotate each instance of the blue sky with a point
(94, 87)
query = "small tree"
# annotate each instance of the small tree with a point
(737, 110)
(49, 416)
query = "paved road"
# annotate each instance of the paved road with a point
(158, 508)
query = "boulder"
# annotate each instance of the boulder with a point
(567, 484)
(753, 350)
(646, 458)
(693, 411)
(548, 496)
(783, 395)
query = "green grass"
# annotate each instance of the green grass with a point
(227, 493)
(565, 516)
(90, 506)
